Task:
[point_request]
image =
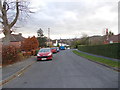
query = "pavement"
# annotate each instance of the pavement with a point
(0, 61)
(66, 70)
(9, 72)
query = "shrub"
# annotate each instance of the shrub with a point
(33, 52)
(9, 54)
(28, 53)
(30, 44)
(108, 50)
(36, 52)
(21, 57)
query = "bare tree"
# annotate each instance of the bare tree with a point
(9, 13)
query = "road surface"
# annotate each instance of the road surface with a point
(66, 70)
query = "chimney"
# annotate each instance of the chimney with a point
(106, 31)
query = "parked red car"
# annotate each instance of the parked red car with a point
(54, 50)
(44, 54)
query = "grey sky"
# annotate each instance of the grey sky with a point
(72, 18)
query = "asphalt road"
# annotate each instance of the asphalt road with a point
(66, 70)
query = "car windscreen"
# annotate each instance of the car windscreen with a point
(53, 48)
(44, 50)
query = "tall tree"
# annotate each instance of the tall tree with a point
(9, 14)
(84, 39)
(40, 33)
(41, 38)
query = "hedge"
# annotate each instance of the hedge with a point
(10, 55)
(108, 50)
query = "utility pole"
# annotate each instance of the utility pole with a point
(48, 36)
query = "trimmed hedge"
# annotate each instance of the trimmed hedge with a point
(108, 50)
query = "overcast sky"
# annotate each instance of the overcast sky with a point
(71, 18)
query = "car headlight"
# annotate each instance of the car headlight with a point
(38, 54)
(49, 54)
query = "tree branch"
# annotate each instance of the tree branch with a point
(0, 9)
(4, 14)
(0, 16)
(0, 5)
(7, 7)
(17, 15)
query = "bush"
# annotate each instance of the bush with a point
(33, 52)
(30, 44)
(28, 53)
(9, 54)
(36, 52)
(108, 50)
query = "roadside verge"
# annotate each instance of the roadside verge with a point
(99, 60)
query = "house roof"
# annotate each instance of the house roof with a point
(16, 37)
(114, 38)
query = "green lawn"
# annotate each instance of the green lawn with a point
(99, 59)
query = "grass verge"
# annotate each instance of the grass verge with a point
(99, 59)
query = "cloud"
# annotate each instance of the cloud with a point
(71, 18)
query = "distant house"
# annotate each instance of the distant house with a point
(112, 39)
(49, 43)
(16, 39)
(60, 42)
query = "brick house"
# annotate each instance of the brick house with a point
(16, 40)
(112, 39)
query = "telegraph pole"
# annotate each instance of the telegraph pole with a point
(48, 36)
